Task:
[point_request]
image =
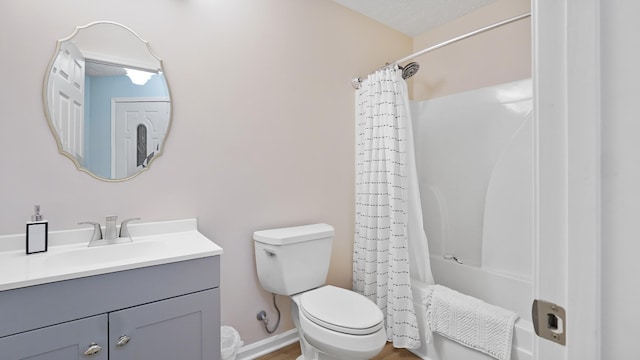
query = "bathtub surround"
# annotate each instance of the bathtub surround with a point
(474, 153)
(388, 224)
(474, 156)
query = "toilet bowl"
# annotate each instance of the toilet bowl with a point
(338, 324)
(333, 323)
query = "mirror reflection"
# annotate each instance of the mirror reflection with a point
(107, 101)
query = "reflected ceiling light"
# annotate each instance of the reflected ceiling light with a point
(138, 77)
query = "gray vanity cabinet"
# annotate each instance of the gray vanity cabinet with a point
(169, 311)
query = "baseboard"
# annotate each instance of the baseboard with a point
(267, 345)
(423, 357)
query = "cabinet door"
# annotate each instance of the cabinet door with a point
(185, 328)
(67, 341)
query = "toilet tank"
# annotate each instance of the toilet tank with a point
(293, 259)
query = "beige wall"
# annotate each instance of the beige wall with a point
(262, 134)
(494, 57)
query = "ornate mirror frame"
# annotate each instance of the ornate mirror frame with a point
(73, 145)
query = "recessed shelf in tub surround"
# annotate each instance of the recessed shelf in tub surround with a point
(69, 257)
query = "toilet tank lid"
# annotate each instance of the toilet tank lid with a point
(295, 234)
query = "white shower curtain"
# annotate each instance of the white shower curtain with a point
(389, 245)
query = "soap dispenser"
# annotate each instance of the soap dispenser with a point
(37, 233)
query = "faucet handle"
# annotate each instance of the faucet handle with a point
(97, 230)
(124, 229)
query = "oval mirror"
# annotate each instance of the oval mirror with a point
(107, 101)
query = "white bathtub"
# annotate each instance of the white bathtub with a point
(483, 285)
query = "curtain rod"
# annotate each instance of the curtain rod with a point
(356, 81)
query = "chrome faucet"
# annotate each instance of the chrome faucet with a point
(111, 233)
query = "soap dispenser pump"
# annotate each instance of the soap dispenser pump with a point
(37, 233)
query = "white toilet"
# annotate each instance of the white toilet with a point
(333, 323)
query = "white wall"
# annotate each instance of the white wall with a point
(620, 91)
(262, 134)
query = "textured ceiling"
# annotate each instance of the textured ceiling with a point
(414, 17)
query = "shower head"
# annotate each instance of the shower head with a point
(409, 70)
(356, 82)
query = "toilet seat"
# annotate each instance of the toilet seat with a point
(341, 310)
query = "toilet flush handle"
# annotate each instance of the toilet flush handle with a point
(269, 252)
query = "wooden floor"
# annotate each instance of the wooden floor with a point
(292, 351)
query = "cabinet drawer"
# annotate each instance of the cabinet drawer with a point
(67, 341)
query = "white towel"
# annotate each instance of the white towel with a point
(470, 321)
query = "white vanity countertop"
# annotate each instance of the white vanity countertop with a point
(69, 257)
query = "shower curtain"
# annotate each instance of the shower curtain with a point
(390, 245)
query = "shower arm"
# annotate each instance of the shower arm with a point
(357, 80)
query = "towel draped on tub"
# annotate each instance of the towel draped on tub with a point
(470, 321)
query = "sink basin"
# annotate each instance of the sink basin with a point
(88, 256)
